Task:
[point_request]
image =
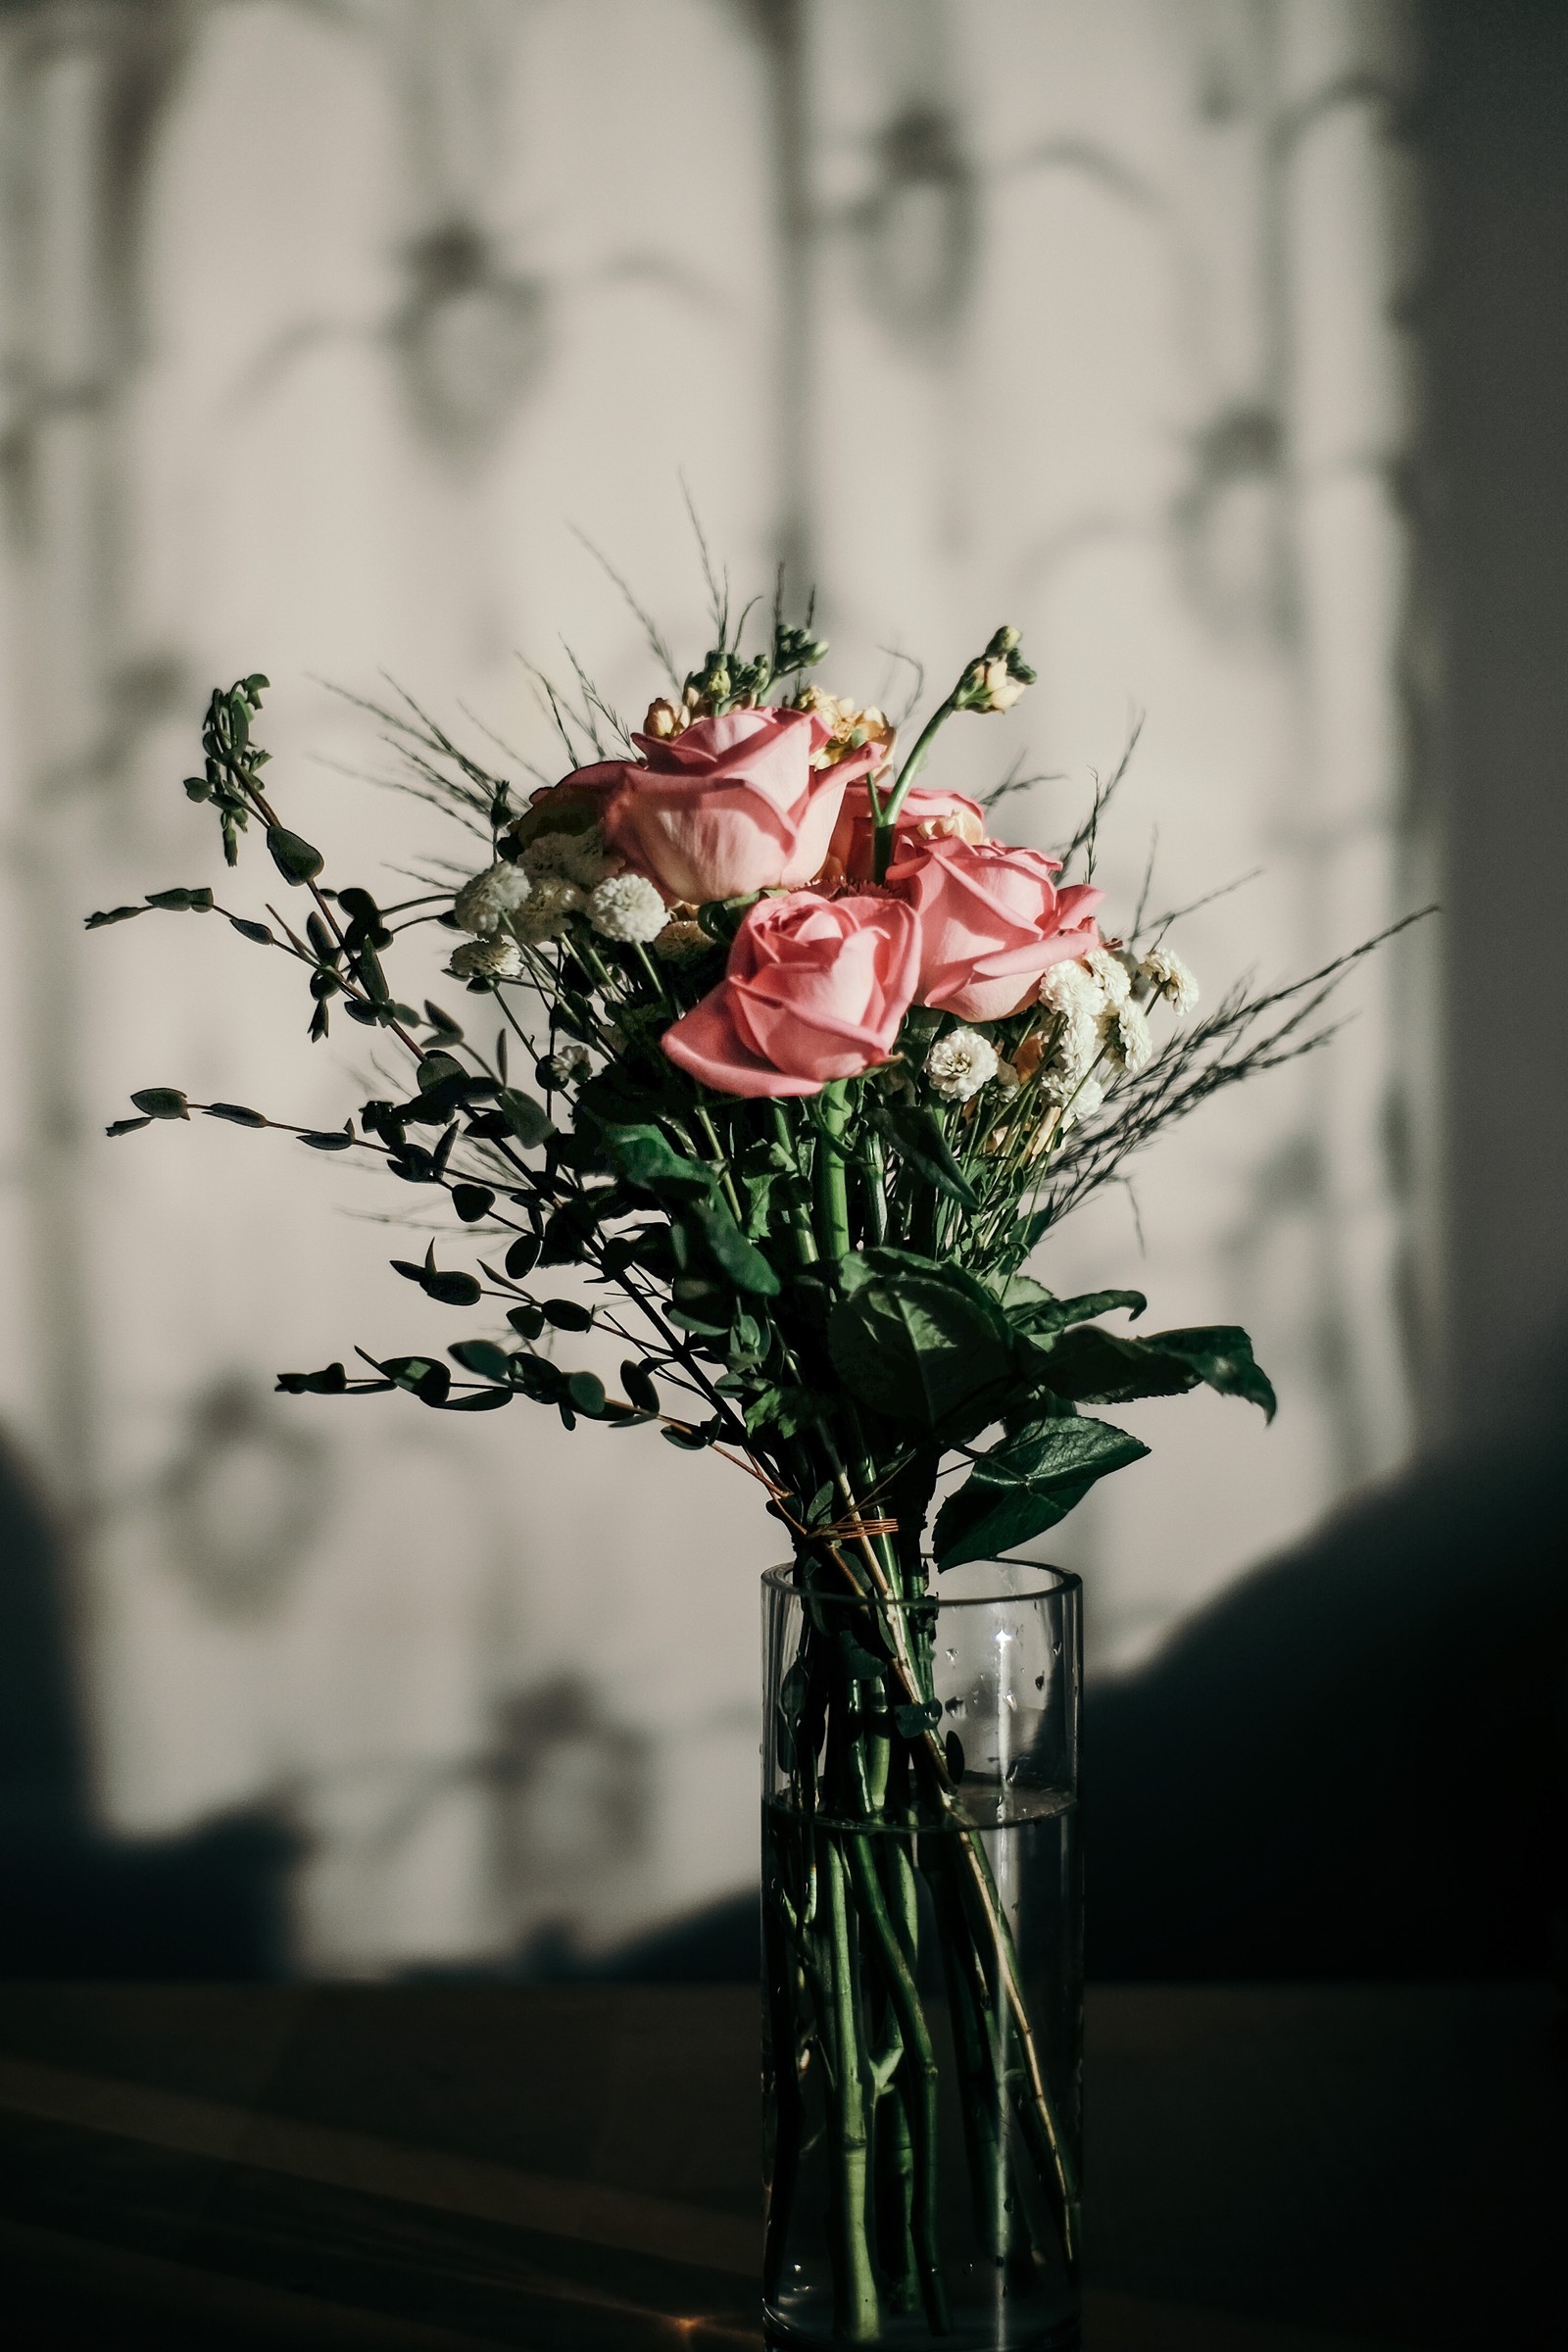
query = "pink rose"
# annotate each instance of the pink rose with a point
(991, 923)
(926, 815)
(815, 990)
(731, 805)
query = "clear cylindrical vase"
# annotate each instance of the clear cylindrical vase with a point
(922, 1960)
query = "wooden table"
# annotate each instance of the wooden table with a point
(444, 2169)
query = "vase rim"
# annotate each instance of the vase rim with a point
(1055, 1583)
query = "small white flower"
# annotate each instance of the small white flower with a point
(484, 904)
(1113, 974)
(548, 912)
(1165, 975)
(1008, 1080)
(1085, 1103)
(1071, 989)
(959, 1064)
(627, 907)
(498, 959)
(1125, 1038)
(568, 1062)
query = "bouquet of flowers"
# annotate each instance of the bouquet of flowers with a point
(801, 1066)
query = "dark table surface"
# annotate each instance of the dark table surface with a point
(1269, 2169)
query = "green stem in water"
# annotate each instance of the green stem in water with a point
(856, 2316)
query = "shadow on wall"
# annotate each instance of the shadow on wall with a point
(1354, 1765)
(78, 1902)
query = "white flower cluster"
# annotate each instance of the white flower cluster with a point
(579, 857)
(550, 909)
(484, 904)
(627, 907)
(1164, 974)
(568, 1062)
(959, 1064)
(496, 959)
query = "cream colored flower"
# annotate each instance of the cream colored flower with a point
(1113, 974)
(497, 958)
(568, 1062)
(848, 727)
(548, 912)
(665, 719)
(1164, 973)
(627, 907)
(578, 856)
(1072, 990)
(682, 941)
(1125, 1038)
(959, 1064)
(484, 904)
(1085, 1103)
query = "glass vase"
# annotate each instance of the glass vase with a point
(922, 1960)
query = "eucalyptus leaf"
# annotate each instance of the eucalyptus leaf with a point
(258, 932)
(112, 914)
(236, 1114)
(526, 1119)
(296, 860)
(331, 1381)
(162, 1102)
(484, 1358)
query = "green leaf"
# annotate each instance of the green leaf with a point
(587, 1393)
(566, 1314)
(255, 931)
(162, 1102)
(126, 1126)
(915, 1132)
(472, 1201)
(646, 1158)
(730, 1251)
(420, 1375)
(857, 1662)
(181, 902)
(527, 1119)
(523, 1256)
(295, 860)
(1032, 1309)
(112, 914)
(329, 1140)
(435, 1069)
(919, 1342)
(638, 1382)
(482, 1357)
(236, 1114)
(472, 1401)
(1026, 1484)
(331, 1381)
(1091, 1366)
(528, 1321)
(783, 1412)
(914, 1721)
